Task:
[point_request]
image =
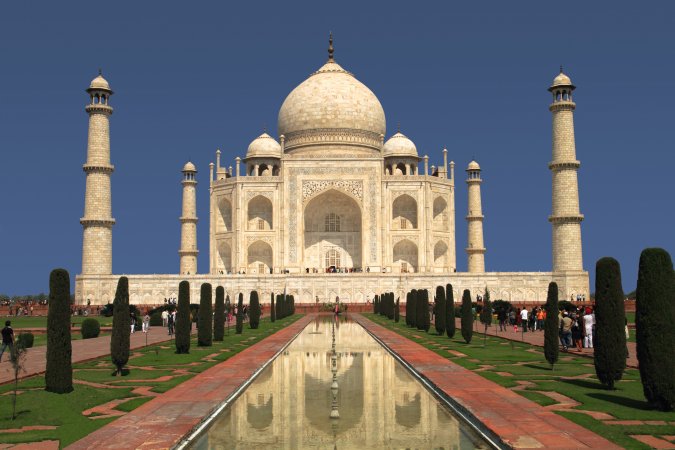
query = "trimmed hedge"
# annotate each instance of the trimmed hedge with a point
(439, 310)
(450, 327)
(183, 325)
(25, 340)
(121, 329)
(219, 315)
(467, 316)
(655, 334)
(254, 310)
(240, 314)
(90, 328)
(59, 371)
(205, 317)
(551, 337)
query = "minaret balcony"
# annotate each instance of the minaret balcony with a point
(563, 105)
(101, 168)
(98, 108)
(187, 219)
(86, 221)
(570, 218)
(475, 217)
(553, 165)
(475, 250)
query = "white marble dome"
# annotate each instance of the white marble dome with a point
(331, 98)
(561, 80)
(99, 83)
(189, 167)
(473, 165)
(399, 145)
(264, 146)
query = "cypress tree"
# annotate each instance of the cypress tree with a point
(184, 315)
(292, 304)
(609, 342)
(219, 315)
(375, 304)
(408, 306)
(280, 306)
(654, 318)
(440, 310)
(450, 326)
(467, 317)
(551, 338)
(419, 309)
(121, 328)
(486, 314)
(273, 312)
(254, 310)
(391, 306)
(205, 317)
(59, 373)
(183, 325)
(397, 312)
(427, 317)
(240, 314)
(413, 310)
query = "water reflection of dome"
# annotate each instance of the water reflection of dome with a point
(350, 398)
(260, 416)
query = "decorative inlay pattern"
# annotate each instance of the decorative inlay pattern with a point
(397, 194)
(266, 239)
(334, 172)
(410, 237)
(252, 194)
(311, 188)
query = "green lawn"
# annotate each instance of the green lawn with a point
(41, 321)
(37, 407)
(526, 363)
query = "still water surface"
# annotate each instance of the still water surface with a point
(380, 404)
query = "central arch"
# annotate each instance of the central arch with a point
(332, 235)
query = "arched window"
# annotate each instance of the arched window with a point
(333, 258)
(332, 222)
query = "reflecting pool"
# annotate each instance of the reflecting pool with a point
(380, 405)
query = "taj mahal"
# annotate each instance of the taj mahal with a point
(332, 207)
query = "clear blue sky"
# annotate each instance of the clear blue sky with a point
(190, 77)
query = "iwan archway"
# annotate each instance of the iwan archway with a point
(332, 236)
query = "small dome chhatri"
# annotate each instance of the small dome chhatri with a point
(189, 167)
(473, 165)
(561, 80)
(399, 145)
(99, 82)
(264, 146)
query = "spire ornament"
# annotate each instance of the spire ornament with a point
(331, 50)
(561, 70)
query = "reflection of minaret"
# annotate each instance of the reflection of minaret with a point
(565, 217)
(476, 248)
(97, 221)
(188, 229)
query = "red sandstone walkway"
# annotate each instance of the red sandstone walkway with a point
(163, 421)
(537, 338)
(521, 423)
(83, 350)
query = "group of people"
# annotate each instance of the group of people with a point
(531, 320)
(576, 328)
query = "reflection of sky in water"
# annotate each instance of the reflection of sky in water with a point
(381, 405)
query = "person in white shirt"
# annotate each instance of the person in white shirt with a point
(523, 319)
(589, 321)
(165, 317)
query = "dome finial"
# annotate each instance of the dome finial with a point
(561, 71)
(330, 46)
(100, 72)
(398, 127)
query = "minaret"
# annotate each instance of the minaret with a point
(188, 222)
(97, 221)
(565, 217)
(476, 248)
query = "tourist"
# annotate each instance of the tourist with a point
(7, 339)
(133, 322)
(169, 322)
(501, 316)
(577, 334)
(513, 320)
(146, 322)
(589, 323)
(566, 331)
(523, 319)
(540, 319)
(165, 318)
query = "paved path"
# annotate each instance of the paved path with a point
(163, 421)
(83, 350)
(537, 338)
(520, 422)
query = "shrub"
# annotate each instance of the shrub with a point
(273, 312)
(292, 301)
(551, 337)
(240, 314)
(439, 309)
(254, 310)
(59, 372)
(107, 310)
(183, 324)
(121, 329)
(90, 328)
(376, 306)
(397, 312)
(280, 306)
(25, 340)
(219, 315)
(420, 309)
(156, 319)
(450, 327)
(609, 343)
(654, 318)
(486, 314)
(205, 324)
(566, 305)
(467, 317)
(425, 310)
